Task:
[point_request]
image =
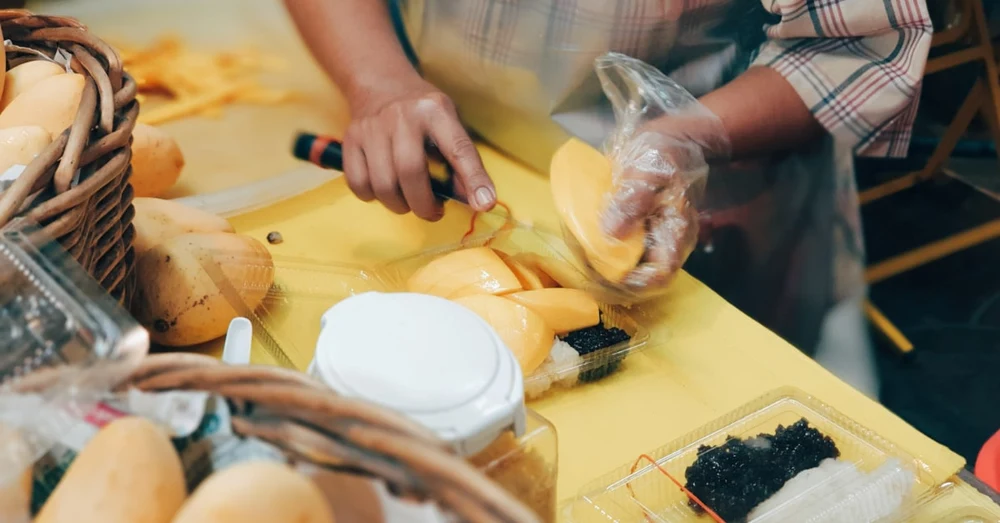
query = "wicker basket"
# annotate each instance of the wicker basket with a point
(90, 214)
(310, 424)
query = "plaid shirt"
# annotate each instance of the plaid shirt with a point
(857, 64)
(515, 67)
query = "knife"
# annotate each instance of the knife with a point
(329, 153)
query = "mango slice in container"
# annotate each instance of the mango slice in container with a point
(520, 279)
(783, 457)
(462, 273)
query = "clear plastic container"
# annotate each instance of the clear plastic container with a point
(649, 490)
(526, 466)
(972, 515)
(286, 324)
(533, 245)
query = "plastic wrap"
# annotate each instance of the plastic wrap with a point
(660, 151)
(65, 344)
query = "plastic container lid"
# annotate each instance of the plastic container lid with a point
(426, 357)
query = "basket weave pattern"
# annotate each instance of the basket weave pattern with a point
(310, 423)
(77, 189)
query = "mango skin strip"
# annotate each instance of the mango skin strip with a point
(198, 83)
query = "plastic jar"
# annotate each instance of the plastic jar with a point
(443, 366)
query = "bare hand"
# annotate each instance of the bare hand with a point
(385, 156)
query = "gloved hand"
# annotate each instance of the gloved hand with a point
(660, 151)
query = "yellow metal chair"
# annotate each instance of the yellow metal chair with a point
(984, 99)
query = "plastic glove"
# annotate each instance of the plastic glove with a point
(660, 150)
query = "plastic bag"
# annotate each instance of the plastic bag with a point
(660, 151)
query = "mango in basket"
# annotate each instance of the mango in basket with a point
(15, 485)
(20, 145)
(259, 492)
(157, 221)
(157, 161)
(21, 78)
(128, 473)
(179, 301)
(51, 103)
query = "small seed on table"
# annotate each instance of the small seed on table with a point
(274, 237)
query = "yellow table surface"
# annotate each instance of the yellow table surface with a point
(705, 359)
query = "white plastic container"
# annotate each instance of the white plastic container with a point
(442, 365)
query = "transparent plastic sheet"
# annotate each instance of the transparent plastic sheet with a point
(64, 344)
(659, 151)
(872, 476)
(287, 321)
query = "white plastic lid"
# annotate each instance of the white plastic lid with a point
(426, 357)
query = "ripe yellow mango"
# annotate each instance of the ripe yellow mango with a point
(523, 331)
(581, 180)
(157, 221)
(52, 104)
(23, 77)
(464, 272)
(128, 473)
(528, 278)
(178, 299)
(20, 145)
(564, 310)
(256, 492)
(157, 161)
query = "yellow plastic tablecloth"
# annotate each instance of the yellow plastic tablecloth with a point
(705, 359)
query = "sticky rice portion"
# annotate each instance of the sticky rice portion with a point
(837, 492)
(562, 367)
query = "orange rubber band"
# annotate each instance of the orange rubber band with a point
(711, 513)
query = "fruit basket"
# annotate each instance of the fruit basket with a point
(308, 423)
(75, 183)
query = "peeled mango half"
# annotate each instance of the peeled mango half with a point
(581, 179)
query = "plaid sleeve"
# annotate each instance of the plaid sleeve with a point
(857, 64)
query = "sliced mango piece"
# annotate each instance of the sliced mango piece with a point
(554, 272)
(564, 310)
(463, 273)
(523, 331)
(581, 179)
(529, 279)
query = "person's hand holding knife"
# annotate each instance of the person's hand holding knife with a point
(386, 151)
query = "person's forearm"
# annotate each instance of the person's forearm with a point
(762, 114)
(354, 41)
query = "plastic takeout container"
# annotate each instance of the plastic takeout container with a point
(65, 343)
(972, 515)
(643, 491)
(518, 239)
(526, 465)
(286, 324)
